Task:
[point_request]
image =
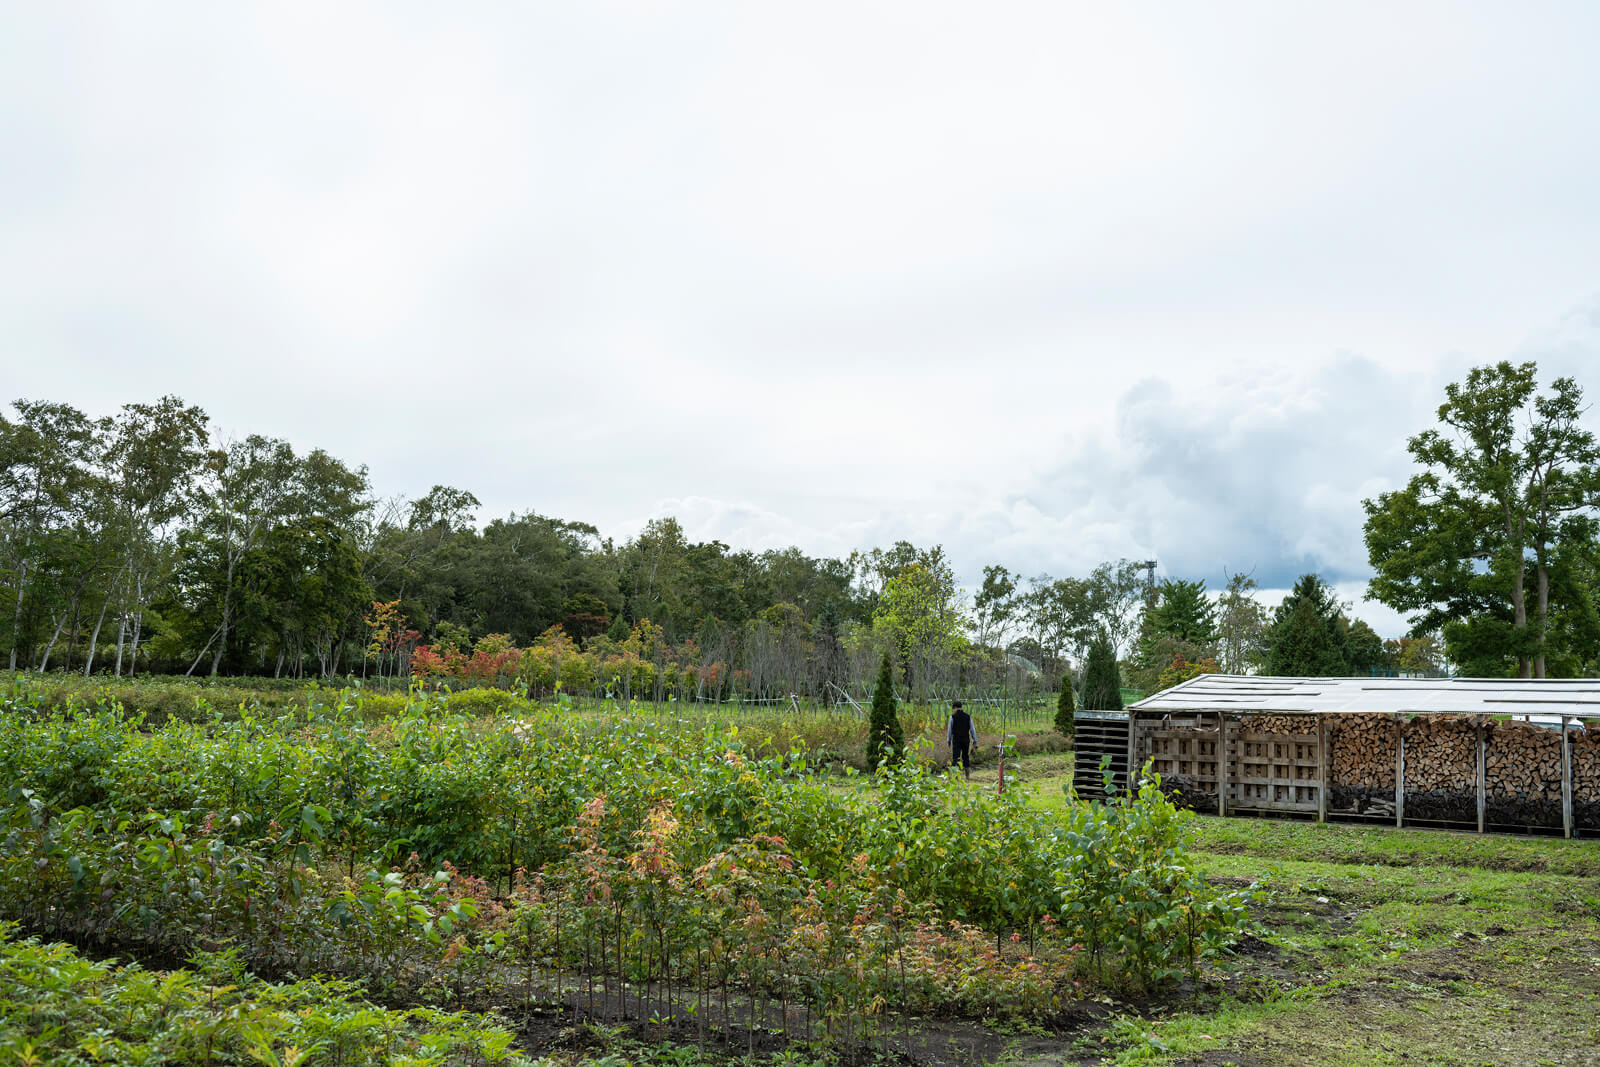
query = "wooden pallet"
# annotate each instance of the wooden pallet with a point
(1266, 772)
(1099, 734)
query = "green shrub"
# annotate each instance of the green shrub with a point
(58, 1007)
(660, 847)
(1130, 895)
(1102, 679)
(885, 739)
(1065, 724)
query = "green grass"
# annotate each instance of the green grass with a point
(1431, 963)
(1347, 844)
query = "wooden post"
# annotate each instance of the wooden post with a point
(1133, 753)
(1566, 781)
(1399, 773)
(1222, 763)
(1483, 777)
(1322, 768)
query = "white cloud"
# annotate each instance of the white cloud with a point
(1048, 285)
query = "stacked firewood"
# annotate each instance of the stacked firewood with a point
(1441, 753)
(1524, 760)
(1522, 765)
(1586, 777)
(1586, 762)
(1363, 751)
(1276, 724)
(1441, 768)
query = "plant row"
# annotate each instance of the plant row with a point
(439, 850)
(58, 1007)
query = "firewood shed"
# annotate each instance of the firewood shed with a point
(1519, 755)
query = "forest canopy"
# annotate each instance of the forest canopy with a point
(144, 542)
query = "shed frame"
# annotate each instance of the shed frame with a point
(1272, 745)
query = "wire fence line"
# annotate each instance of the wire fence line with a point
(989, 712)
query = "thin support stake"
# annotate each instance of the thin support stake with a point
(1322, 769)
(1132, 751)
(1399, 773)
(1222, 763)
(1483, 778)
(1566, 781)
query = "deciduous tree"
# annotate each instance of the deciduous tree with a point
(1241, 627)
(1478, 543)
(1115, 591)
(994, 606)
(918, 611)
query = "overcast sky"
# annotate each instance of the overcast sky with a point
(1047, 283)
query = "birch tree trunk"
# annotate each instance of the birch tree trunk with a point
(138, 622)
(44, 661)
(88, 660)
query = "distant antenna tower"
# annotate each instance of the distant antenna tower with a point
(1149, 566)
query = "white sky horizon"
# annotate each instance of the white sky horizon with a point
(1045, 285)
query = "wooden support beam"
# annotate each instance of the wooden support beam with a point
(1133, 769)
(1323, 762)
(1566, 780)
(1483, 777)
(1399, 773)
(1222, 763)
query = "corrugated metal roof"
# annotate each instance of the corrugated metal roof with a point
(1541, 697)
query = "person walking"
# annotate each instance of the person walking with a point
(960, 735)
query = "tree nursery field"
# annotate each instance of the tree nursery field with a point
(455, 879)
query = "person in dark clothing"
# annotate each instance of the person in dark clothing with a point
(960, 735)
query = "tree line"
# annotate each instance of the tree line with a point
(143, 542)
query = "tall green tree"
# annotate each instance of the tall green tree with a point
(154, 453)
(994, 605)
(827, 653)
(884, 737)
(301, 594)
(656, 572)
(874, 569)
(919, 613)
(1483, 542)
(1061, 615)
(1115, 591)
(1181, 609)
(1102, 678)
(416, 550)
(1363, 648)
(249, 483)
(1306, 638)
(47, 456)
(1241, 627)
(1178, 622)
